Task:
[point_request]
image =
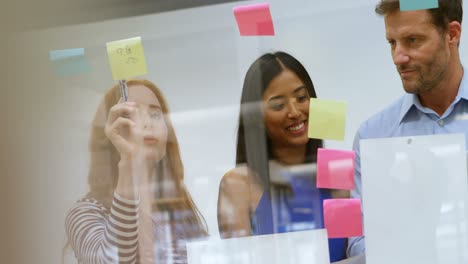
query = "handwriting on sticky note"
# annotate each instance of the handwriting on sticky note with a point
(409, 5)
(126, 58)
(254, 20)
(343, 217)
(327, 119)
(335, 169)
(68, 62)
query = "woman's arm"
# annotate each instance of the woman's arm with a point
(100, 235)
(124, 129)
(113, 235)
(238, 195)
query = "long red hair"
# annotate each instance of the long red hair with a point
(103, 172)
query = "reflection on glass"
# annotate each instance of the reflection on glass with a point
(273, 130)
(137, 208)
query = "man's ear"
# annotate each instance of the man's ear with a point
(454, 32)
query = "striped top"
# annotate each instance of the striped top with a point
(101, 235)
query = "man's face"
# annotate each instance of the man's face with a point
(420, 52)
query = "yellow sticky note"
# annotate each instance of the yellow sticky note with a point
(126, 58)
(327, 119)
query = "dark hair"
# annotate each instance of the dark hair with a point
(448, 11)
(253, 144)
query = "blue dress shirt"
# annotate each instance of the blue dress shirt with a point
(407, 117)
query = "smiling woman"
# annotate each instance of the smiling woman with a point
(272, 128)
(286, 111)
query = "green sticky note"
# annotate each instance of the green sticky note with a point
(327, 119)
(69, 62)
(410, 5)
(126, 58)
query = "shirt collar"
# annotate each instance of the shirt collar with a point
(410, 100)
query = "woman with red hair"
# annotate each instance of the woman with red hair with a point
(137, 209)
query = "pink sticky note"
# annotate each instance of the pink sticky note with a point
(335, 169)
(254, 20)
(343, 217)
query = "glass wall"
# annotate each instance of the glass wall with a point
(64, 142)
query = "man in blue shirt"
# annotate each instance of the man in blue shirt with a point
(424, 47)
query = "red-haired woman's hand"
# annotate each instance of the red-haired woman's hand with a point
(123, 128)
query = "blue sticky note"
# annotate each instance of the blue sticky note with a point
(65, 54)
(409, 5)
(69, 62)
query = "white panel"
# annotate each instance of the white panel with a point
(305, 247)
(415, 192)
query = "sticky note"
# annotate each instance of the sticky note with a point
(409, 5)
(126, 58)
(343, 217)
(335, 169)
(327, 119)
(254, 20)
(68, 62)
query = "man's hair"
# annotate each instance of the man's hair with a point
(448, 11)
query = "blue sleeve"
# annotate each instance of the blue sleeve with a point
(356, 245)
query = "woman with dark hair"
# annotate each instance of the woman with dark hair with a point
(272, 129)
(137, 209)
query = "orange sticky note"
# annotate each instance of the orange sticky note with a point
(343, 217)
(335, 169)
(254, 20)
